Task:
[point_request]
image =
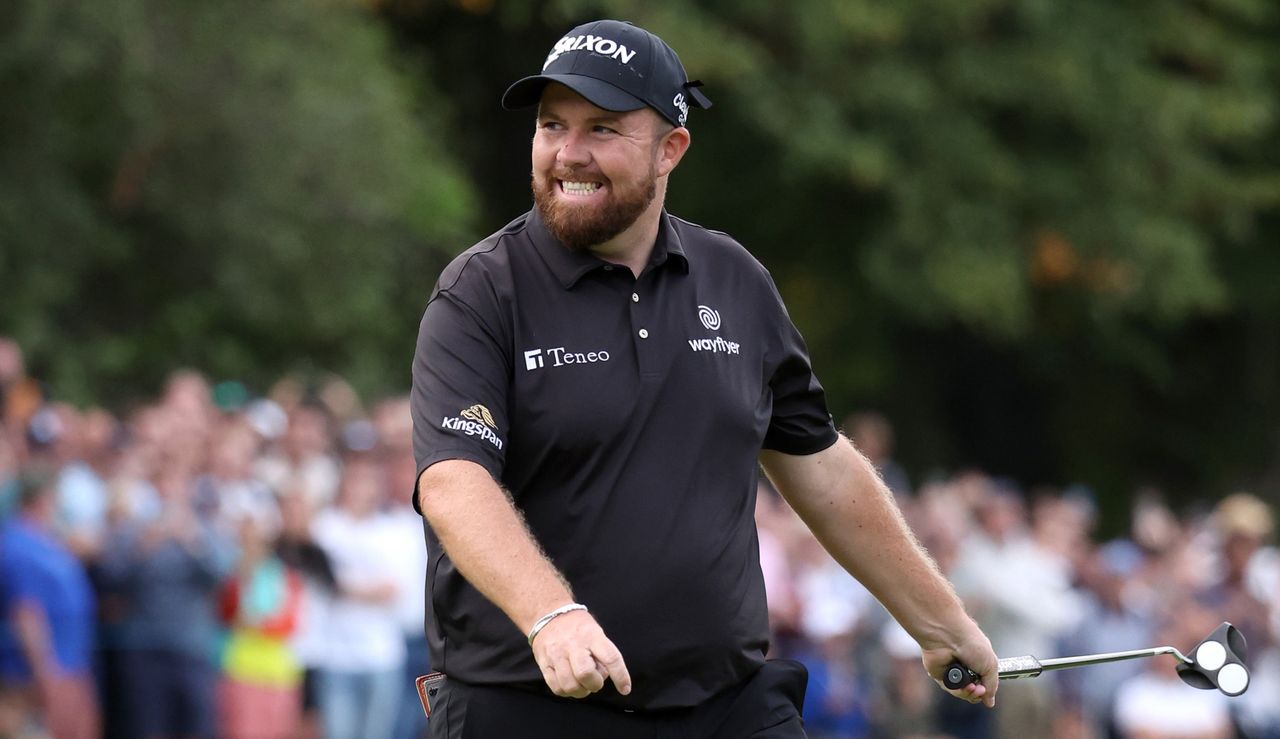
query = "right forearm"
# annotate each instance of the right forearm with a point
(32, 631)
(488, 541)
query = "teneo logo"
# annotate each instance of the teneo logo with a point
(598, 44)
(715, 346)
(683, 106)
(559, 356)
(474, 421)
(709, 317)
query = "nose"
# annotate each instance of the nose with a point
(573, 151)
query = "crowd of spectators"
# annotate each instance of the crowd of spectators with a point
(1033, 573)
(216, 564)
(208, 564)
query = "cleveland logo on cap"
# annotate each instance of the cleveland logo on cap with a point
(587, 42)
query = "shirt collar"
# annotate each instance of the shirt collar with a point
(571, 266)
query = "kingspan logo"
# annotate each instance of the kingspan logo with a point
(559, 356)
(474, 421)
(586, 42)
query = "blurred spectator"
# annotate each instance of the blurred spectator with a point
(303, 460)
(909, 695)
(1248, 578)
(298, 551)
(872, 434)
(1156, 704)
(1113, 621)
(230, 485)
(56, 440)
(1242, 524)
(409, 567)
(1018, 587)
(360, 683)
(260, 696)
(46, 620)
(776, 527)
(166, 573)
(9, 472)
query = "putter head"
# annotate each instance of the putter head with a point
(1219, 662)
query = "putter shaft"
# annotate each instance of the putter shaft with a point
(1012, 668)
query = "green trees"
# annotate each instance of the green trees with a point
(236, 186)
(1041, 235)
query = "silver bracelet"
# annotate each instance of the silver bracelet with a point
(542, 622)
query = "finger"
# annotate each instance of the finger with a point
(990, 684)
(549, 677)
(584, 670)
(565, 679)
(609, 658)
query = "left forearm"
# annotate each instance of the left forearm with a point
(842, 500)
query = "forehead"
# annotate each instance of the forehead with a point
(563, 102)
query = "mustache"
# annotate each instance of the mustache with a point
(577, 175)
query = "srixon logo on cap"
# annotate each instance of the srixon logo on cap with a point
(587, 42)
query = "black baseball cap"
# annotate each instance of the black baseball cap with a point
(618, 67)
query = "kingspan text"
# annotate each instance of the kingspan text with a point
(471, 428)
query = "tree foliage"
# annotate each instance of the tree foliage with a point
(1042, 235)
(243, 187)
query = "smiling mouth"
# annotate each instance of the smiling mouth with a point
(579, 189)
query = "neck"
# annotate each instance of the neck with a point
(633, 247)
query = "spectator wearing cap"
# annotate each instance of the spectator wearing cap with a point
(1247, 583)
(47, 614)
(1242, 524)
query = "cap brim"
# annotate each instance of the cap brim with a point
(527, 92)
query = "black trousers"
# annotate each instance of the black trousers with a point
(766, 706)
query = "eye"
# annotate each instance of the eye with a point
(602, 129)
(550, 125)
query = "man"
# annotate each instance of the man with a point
(47, 612)
(593, 387)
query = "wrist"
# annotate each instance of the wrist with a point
(550, 616)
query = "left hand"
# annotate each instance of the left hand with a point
(973, 650)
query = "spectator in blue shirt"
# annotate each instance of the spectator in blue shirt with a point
(47, 612)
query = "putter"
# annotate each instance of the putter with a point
(1220, 663)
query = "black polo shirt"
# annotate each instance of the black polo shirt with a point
(625, 416)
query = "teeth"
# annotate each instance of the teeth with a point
(579, 188)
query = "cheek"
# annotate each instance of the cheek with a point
(543, 156)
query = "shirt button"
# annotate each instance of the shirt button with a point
(608, 268)
(644, 333)
(635, 297)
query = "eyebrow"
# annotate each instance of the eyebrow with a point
(607, 118)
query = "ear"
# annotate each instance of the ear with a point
(671, 149)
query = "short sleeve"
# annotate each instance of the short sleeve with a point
(460, 378)
(801, 423)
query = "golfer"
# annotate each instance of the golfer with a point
(595, 388)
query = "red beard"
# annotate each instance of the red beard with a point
(581, 228)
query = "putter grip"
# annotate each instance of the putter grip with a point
(957, 676)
